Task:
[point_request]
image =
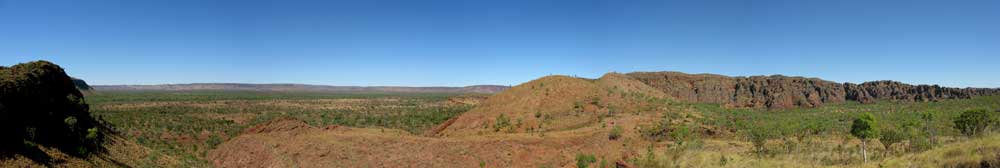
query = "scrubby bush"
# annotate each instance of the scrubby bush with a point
(615, 133)
(975, 122)
(758, 135)
(502, 122)
(681, 134)
(584, 160)
(891, 136)
(648, 160)
(657, 131)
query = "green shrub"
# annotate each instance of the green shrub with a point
(584, 160)
(649, 160)
(975, 122)
(758, 136)
(29, 144)
(92, 137)
(70, 121)
(502, 122)
(213, 141)
(615, 133)
(681, 134)
(657, 131)
(80, 150)
(723, 160)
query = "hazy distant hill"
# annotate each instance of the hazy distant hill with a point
(299, 88)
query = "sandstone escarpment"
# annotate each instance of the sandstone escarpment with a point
(892, 90)
(778, 91)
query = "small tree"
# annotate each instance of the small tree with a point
(975, 122)
(864, 128)
(929, 127)
(758, 135)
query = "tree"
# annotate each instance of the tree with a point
(929, 128)
(975, 122)
(865, 127)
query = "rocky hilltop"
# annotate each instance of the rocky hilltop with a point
(40, 104)
(778, 91)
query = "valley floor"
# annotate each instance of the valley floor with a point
(252, 129)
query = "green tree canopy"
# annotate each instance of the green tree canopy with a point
(974, 122)
(865, 127)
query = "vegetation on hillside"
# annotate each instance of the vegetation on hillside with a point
(822, 136)
(186, 125)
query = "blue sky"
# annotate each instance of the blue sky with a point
(456, 43)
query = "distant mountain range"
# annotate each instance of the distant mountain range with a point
(299, 88)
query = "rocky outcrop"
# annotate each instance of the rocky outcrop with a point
(40, 104)
(80, 84)
(892, 90)
(778, 91)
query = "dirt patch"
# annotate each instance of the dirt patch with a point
(366, 147)
(466, 100)
(288, 142)
(279, 125)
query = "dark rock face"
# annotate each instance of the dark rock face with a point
(80, 84)
(781, 91)
(778, 91)
(40, 104)
(870, 91)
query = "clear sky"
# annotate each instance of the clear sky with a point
(506, 42)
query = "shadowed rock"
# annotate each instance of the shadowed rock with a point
(40, 104)
(80, 84)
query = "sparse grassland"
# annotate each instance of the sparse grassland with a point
(813, 136)
(185, 125)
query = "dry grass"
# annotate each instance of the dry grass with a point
(555, 103)
(120, 153)
(978, 152)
